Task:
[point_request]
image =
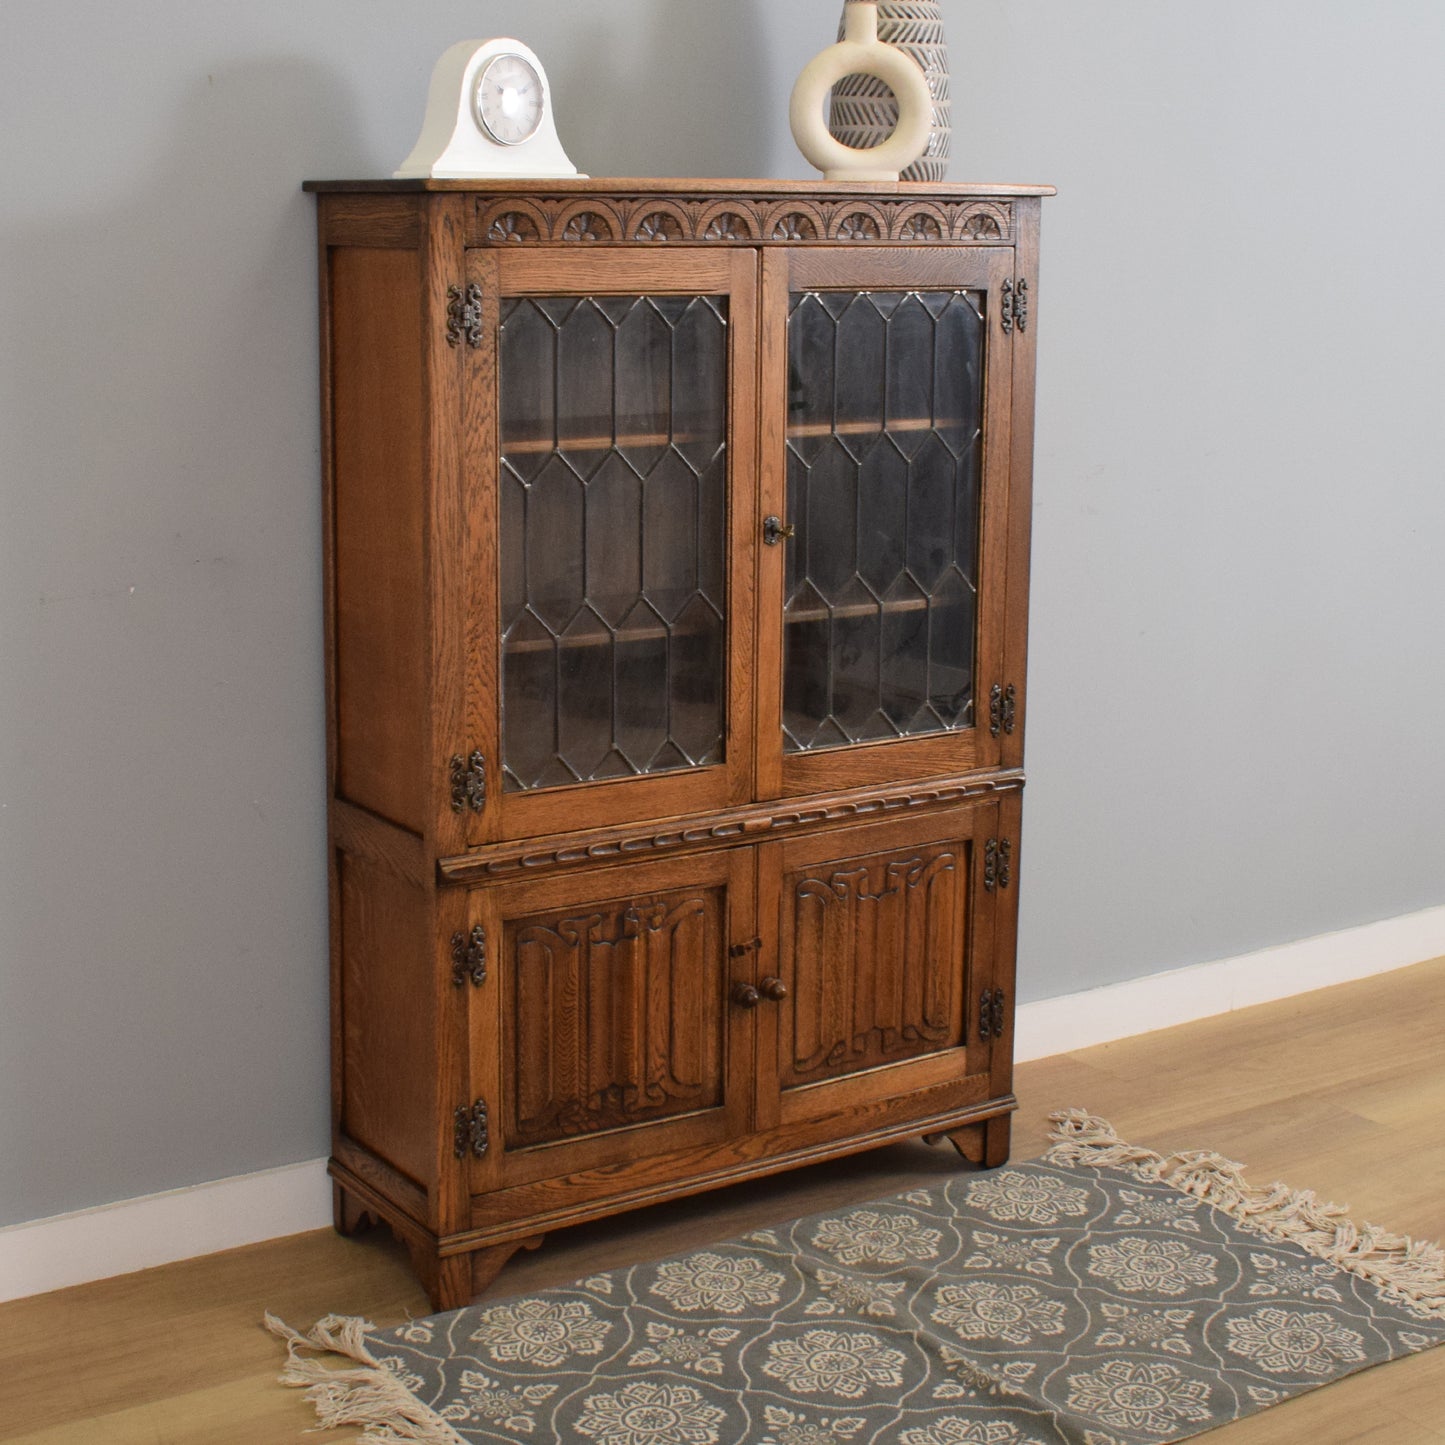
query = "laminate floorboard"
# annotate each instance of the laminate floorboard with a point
(1340, 1091)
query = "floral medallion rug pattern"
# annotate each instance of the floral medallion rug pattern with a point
(1102, 1295)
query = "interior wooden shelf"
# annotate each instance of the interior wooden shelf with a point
(628, 441)
(855, 609)
(653, 634)
(597, 639)
(601, 442)
(860, 428)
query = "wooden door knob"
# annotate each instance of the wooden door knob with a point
(774, 988)
(746, 996)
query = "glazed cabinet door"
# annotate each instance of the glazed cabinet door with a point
(604, 1030)
(875, 941)
(611, 437)
(886, 385)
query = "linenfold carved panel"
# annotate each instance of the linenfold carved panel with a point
(874, 963)
(736, 220)
(614, 1015)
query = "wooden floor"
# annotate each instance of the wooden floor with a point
(1341, 1091)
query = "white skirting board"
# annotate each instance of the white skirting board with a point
(1161, 1000)
(156, 1229)
(134, 1234)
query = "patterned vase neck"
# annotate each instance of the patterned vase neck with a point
(863, 109)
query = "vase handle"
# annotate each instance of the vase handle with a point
(861, 53)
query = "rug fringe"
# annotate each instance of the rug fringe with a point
(371, 1396)
(1408, 1270)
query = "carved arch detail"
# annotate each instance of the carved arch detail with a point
(741, 220)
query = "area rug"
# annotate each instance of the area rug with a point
(1100, 1295)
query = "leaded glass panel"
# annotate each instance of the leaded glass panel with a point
(884, 442)
(613, 536)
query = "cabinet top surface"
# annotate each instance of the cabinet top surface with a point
(532, 185)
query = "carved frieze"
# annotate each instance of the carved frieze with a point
(619, 219)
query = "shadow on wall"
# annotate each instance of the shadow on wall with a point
(163, 891)
(683, 93)
(162, 711)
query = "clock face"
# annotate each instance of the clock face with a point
(508, 101)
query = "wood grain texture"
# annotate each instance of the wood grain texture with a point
(372, 220)
(727, 828)
(873, 961)
(770, 563)
(378, 461)
(692, 185)
(615, 1015)
(375, 1184)
(447, 508)
(389, 1022)
(355, 830)
(477, 539)
(879, 930)
(996, 962)
(744, 522)
(1338, 1091)
(640, 937)
(617, 1037)
(1013, 667)
(863, 1119)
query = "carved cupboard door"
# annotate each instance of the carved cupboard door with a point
(885, 467)
(610, 447)
(604, 1030)
(871, 971)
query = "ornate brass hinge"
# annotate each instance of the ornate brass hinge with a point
(464, 315)
(1014, 305)
(1001, 702)
(471, 1130)
(469, 957)
(469, 783)
(997, 863)
(990, 1014)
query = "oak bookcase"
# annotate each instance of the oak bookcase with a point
(676, 588)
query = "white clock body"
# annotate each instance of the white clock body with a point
(488, 115)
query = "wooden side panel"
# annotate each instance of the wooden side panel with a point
(379, 495)
(871, 952)
(388, 1073)
(615, 1015)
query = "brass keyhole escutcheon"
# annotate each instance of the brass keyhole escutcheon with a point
(776, 530)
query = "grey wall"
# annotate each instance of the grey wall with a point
(1236, 679)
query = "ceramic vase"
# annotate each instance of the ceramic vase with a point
(863, 111)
